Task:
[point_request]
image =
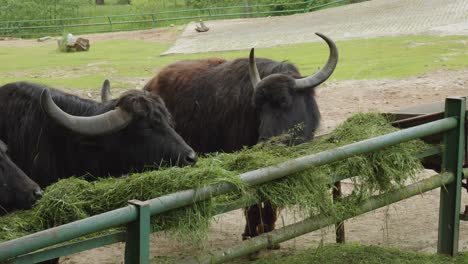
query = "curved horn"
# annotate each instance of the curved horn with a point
(3, 146)
(323, 74)
(105, 92)
(105, 123)
(253, 71)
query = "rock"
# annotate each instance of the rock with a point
(44, 38)
(202, 27)
(8, 38)
(75, 44)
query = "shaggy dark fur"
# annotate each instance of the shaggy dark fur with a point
(215, 109)
(47, 152)
(17, 191)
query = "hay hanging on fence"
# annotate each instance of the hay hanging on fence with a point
(308, 192)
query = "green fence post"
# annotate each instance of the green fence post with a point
(153, 23)
(452, 160)
(110, 23)
(137, 242)
(61, 27)
(307, 6)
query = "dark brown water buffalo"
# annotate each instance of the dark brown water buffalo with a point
(53, 135)
(17, 191)
(217, 107)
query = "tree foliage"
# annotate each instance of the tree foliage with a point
(197, 3)
(39, 9)
(303, 4)
(146, 6)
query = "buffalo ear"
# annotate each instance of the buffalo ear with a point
(105, 92)
(258, 98)
(3, 147)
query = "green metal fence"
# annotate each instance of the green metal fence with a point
(46, 244)
(79, 25)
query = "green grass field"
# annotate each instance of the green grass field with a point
(351, 253)
(126, 60)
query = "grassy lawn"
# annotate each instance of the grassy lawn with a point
(121, 61)
(356, 254)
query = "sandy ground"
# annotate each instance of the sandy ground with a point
(409, 224)
(151, 35)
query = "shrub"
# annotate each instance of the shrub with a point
(39, 9)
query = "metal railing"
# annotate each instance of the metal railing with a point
(96, 24)
(136, 216)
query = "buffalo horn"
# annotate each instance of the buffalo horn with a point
(323, 74)
(105, 92)
(253, 71)
(105, 123)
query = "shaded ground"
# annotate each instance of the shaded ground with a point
(409, 224)
(376, 18)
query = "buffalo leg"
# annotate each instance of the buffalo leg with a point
(339, 227)
(269, 217)
(253, 218)
(253, 221)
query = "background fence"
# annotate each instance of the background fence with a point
(125, 22)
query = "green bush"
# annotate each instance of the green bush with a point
(146, 6)
(39, 9)
(284, 5)
(197, 3)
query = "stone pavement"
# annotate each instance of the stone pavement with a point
(376, 18)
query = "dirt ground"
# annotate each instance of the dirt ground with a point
(151, 35)
(410, 224)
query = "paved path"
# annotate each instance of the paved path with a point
(374, 18)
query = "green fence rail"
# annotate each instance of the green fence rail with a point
(136, 216)
(80, 25)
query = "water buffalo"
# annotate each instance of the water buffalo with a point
(17, 191)
(217, 107)
(53, 135)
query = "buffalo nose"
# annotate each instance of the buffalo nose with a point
(191, 158)
(38, 193)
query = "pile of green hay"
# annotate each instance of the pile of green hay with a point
(354, 253)
(307, 192)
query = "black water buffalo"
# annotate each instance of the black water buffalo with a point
(53, 135)
(17, 191)
(217, 107)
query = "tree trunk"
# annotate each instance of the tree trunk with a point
(99, 2)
